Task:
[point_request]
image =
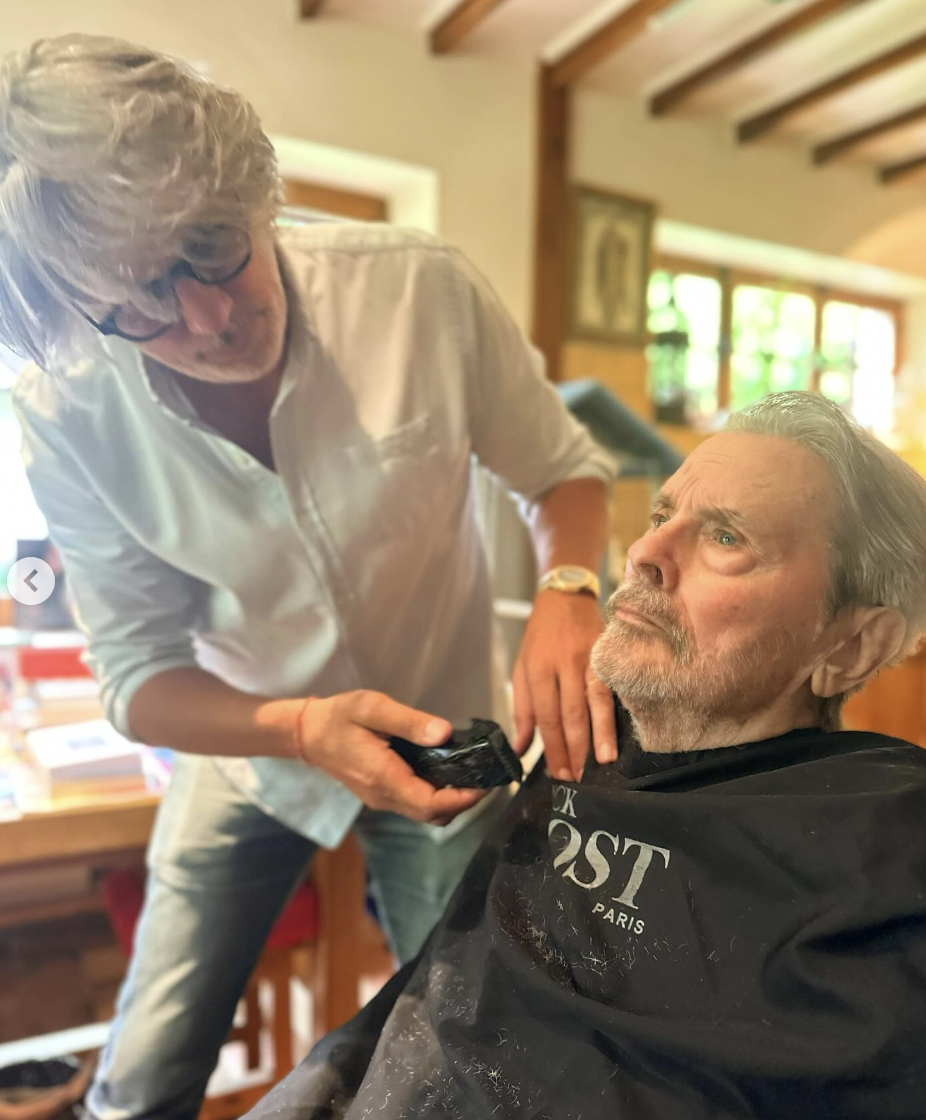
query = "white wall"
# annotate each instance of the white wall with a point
(696, 173)
(376, 90)
(353, 86)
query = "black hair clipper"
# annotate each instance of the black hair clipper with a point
(479, 758)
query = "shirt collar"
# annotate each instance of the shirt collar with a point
(299, 326)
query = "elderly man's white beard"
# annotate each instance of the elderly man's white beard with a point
(685, 701)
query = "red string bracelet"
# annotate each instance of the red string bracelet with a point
(297, 727)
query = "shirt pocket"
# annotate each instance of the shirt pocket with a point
(385, 487)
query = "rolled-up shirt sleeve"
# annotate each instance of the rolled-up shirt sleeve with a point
(522, 432)
(135, 610)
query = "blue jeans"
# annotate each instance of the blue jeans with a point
(219, 872)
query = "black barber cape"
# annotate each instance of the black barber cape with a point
(724, 933)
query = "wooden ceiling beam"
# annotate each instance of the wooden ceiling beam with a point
(895, 171)
(763, 122)
(823, 153)
(447, 35)
(748, 51)
(611, 36)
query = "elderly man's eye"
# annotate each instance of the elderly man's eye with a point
(725, 538)
(657, 519)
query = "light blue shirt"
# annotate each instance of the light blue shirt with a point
(358, 562)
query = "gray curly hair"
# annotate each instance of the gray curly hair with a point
(878, 544)
(108, 152)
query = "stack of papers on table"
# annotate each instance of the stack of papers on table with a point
(53, 702)
(77, 759)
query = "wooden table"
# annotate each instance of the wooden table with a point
(113, 831)
(92, 831)
(96, 834)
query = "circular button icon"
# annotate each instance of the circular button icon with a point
(30, 581)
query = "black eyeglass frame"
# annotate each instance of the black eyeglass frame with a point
(172, 275)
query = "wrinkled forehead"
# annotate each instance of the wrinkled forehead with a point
(778, 487)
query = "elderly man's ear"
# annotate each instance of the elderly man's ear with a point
(870, 638)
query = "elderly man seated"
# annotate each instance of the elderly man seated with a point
(729, 921)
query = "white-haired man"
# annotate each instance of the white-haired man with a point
(254, 452)
(729, 921)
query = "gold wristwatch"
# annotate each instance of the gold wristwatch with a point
(570, 578)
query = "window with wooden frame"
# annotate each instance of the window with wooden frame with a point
(722, 338)
(316, 198)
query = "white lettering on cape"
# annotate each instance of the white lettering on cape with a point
(598, 862)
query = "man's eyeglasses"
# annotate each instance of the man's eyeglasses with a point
(214, 256)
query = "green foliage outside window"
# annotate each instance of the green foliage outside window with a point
(771, 348)
(856, 342)
(684, 355)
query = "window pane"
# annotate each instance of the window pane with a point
(747, 374)
(840, 324)
(684, 320)
(877, 340)
(773, 336)
(698, 298)
(787, 375)
(837, 385)
(859, 350)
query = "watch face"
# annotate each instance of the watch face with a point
(572, 575)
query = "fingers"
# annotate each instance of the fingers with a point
(348, 742)
(449, 803)
(398, 789)
(574, 716)
(524, 721)
(574, 710)
(550, 680)
(546, 699)
(604, 723)
(382, 714)
(562, 718)
(345, 736)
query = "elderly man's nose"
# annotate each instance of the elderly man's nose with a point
(205, 309)
(652, 573)
(650, 560)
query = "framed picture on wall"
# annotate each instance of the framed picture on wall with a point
(611, 237)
